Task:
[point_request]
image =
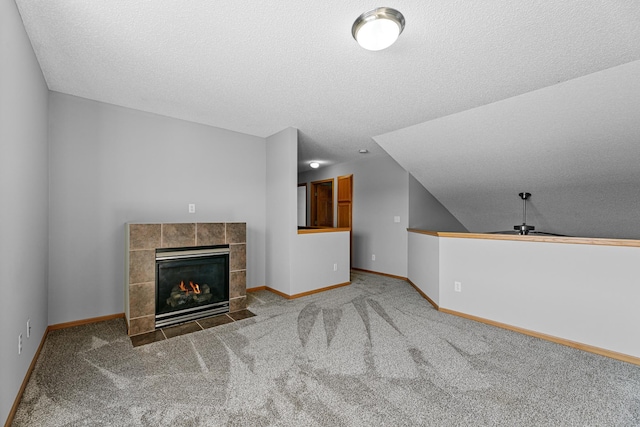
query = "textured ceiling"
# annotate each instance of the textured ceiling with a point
(258, 67)
(574, 146)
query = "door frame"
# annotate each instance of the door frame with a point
(302, 204)
(313, 219)
(346, 200)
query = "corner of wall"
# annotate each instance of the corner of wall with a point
(281, 207)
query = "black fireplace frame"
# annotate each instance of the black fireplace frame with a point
(166, 256)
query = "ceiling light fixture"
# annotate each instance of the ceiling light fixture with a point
(314, 165)
(363, 151)
(378, 29)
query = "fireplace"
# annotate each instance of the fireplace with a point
(191, 282)
(142, 242)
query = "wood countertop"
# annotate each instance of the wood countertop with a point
(532, 238)
(322, 230)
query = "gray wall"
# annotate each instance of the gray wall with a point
(582, 293)
(380, 192)
(427, 213)
(282, 153)
(23, 203)
(110, 165)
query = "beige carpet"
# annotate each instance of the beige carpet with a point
(370, 354)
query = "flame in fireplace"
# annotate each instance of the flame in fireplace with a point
(183, 288)
(196, 288)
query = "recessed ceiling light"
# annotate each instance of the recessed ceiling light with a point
(314, 165)
(378, 29)
(363, 151)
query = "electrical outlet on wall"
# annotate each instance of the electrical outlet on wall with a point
(192, 208)
(20, 344)
(373, 257)
(335, 267)
(457, 286)
(28, 328)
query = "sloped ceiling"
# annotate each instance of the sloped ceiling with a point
(574, 146)
(259, 67)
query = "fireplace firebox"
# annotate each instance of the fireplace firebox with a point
(191, 283)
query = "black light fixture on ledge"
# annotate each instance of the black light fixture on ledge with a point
(524, 228)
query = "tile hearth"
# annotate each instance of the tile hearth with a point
(189, 327)
(142, 241)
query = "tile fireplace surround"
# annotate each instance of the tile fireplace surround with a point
(142, 242)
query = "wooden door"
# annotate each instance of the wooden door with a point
(322, 203)
(345, 203)
(345, 197)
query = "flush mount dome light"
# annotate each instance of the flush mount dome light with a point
(314, 165)
(378, 29)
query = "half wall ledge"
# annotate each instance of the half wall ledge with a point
(580, 292)
(530, 238)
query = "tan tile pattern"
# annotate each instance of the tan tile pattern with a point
(210, 233)
(142, 266)
(237, 257)
(236, 232)
(141, 325)
(178, 235)
(237, 304)
(144, 236)
(185, 328)
(241, 315)
(210, 322)
(142, 299)
(143, 241)
(147, 338)
(237, 283)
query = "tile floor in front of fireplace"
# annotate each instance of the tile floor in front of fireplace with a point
(187, 328)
